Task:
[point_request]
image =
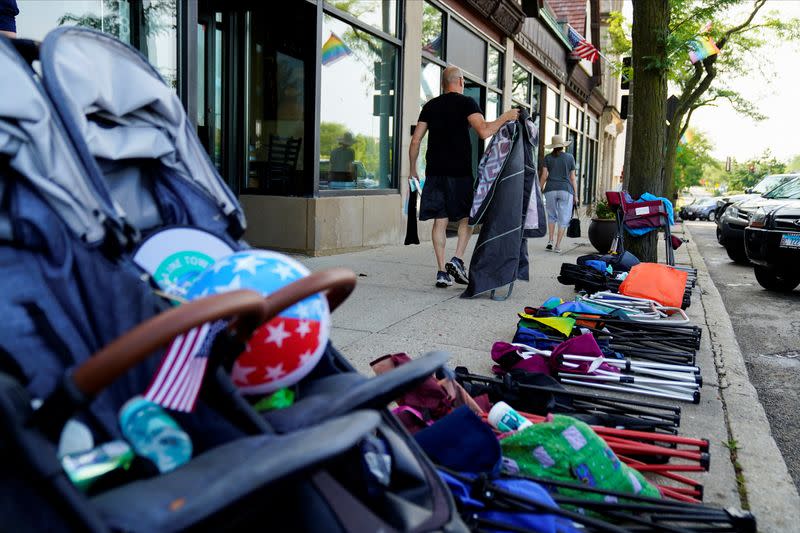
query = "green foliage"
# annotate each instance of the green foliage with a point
(738, 44)
(692, 161)
(750, 172)
(794, 164)
(603, 211)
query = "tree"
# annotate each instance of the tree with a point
(699, 84)
(747, 174)
(693, 161)
(648, 58)
(794, 164)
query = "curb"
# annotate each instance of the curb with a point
(771, 493)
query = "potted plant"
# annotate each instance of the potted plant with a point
(603, 227)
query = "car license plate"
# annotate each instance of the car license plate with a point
(790, 240)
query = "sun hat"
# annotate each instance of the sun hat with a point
(347, 139)
(557, 142)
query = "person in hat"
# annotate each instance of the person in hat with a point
(447, 194)
(560, 189)
(342, 157)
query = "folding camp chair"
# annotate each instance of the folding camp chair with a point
(632, 213)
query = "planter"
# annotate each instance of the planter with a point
(602, 233)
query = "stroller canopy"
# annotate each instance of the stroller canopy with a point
(135, 128)
(32, 141)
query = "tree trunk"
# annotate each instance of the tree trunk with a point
(650, 28)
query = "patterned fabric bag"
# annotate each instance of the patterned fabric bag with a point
(566, 449)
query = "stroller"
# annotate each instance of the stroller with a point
(72, 291)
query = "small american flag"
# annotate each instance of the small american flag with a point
(581, 47)
(178, 380)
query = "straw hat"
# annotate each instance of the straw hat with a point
(557, 142)
(347, 139)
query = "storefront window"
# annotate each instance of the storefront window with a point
(550, 129)
(155, 37)
(495, 67)
(432, 31)
(553, 103)
(430, 82)
(466, 49)
(521, 85)
(380, 14)
(358, 88)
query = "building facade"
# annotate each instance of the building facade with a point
(308, 114)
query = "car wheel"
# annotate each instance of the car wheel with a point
(720, 238)
(737, 254)
(712, 216)
(773, 280)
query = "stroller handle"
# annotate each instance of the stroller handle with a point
(249, 308)
(139, 343)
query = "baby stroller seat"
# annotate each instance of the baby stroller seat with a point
(122, 116)
(70, 291)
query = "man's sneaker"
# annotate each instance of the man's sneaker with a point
(443, 280)
(549, 246)
(557, 249)
(455, 267)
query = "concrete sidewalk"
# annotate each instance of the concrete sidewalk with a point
(397, 308)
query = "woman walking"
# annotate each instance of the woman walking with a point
(559, 186)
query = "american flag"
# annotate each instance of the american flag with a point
(581, 47)
(180, 376)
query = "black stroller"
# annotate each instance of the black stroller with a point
(81, 323)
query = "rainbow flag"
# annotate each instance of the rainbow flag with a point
(334, 49)
(702, 46)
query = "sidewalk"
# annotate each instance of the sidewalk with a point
(397, 308)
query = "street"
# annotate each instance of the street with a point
(767, 327)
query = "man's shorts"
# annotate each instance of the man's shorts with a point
(446, 197)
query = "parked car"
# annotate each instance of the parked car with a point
(736, 217)
(766, 184)
(702, 209)
(772, 240)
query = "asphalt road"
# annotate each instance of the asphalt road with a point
(767, 327)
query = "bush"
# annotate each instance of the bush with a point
(603, 211)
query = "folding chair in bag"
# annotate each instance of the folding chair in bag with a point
(82, 322)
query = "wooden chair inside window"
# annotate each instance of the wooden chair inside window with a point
(282, 155)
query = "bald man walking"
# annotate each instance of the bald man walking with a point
(447, 194)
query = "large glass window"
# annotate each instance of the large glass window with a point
(381, 14)
(430, 82)
(521, 85)
(276, 140)
(495, 76)
(466, 50)
(357, 108)
(155, 35)
(553, 104)
(432, 30)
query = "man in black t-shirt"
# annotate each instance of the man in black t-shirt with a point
(447, 194)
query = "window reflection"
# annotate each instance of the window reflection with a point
(432, 31)
(156, 37)
(495, 68)
(381, 14)
(358, 87)
(520, 84)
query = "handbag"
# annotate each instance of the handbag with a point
(574, 228)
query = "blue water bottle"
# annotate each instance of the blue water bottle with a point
(153, 434)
